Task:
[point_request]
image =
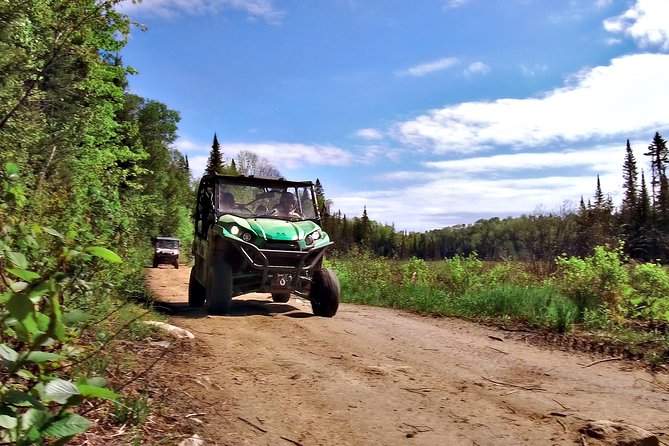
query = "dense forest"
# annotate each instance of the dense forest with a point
(641, 222)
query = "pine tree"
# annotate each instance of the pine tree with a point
(657, 151)
(630, 186)
(215, 162)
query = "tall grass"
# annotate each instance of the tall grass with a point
(581, 290)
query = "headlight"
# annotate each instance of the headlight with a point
(234, 230)
(247, 237)
(309, 239)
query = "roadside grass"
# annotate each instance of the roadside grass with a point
(602, 296)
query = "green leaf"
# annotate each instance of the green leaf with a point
(39, 357)
(21, 399)
(23, 310)
(41, 288)
(23, 274)
(8, 422)
(56, 327)
(17, 287)
(18, 259)
(104, 253)
(70, 424)
(34, 418)
(60, 390)
(97, 392)
(75, 315)
(7, 353)
(52, 232)
(26, 374)
(11, 169)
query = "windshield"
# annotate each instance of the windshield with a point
(248, 201)
(167, 244)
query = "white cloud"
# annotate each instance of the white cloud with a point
(647, 22)
(255, 9)
(430, 67)
(626, 97)
(597, 159)
(454, 4)
(532, 70)
(477, 68)
(369, 134)
(284, 156)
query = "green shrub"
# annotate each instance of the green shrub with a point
(650, 296)
(36, 337)
(460, 274)
(600, 279)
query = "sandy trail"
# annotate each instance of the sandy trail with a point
(272, 374)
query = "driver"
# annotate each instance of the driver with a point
(227, 201)
(287, 206)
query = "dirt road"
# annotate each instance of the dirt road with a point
(272, 374)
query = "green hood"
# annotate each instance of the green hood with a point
(272, 228)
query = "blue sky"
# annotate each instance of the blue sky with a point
(430, 113)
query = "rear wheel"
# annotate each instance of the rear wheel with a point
(196, 294)
(176, 263)
(219, 288)
(281, 297)
(324, 293)
(155, 262)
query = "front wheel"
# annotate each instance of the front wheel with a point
(219, 288)
(196, 293)
(324, 293)
(281, 297)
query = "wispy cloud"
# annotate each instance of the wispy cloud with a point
(369, 134)
(255, 9)
(454, 4)
(533, 70)
(646, 22)
(430, 67)
(285, 156)
(613, 101)
(476, 68)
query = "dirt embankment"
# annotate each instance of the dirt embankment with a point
(272, 374)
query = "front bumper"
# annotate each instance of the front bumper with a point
(281, 270)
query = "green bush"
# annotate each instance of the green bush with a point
(36, 334)
(591, 282)
(650, 296)
(460, 274)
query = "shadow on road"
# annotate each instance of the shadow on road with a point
(242, 307)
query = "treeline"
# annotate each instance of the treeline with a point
(641, 222)
(87, 177)
(96, 160)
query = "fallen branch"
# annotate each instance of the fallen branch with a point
(514, 385)
(615, 358)
(264, 431)
(296, 443)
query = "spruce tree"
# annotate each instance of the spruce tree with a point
(215, 162)
(630, 186)
(657, 151)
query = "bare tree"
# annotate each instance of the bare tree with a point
(249, 163)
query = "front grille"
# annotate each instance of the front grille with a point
(282, 246)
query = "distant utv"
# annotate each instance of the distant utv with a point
(165, 250)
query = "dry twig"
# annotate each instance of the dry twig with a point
(514, 385)
(264, 431)
(615, 358)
